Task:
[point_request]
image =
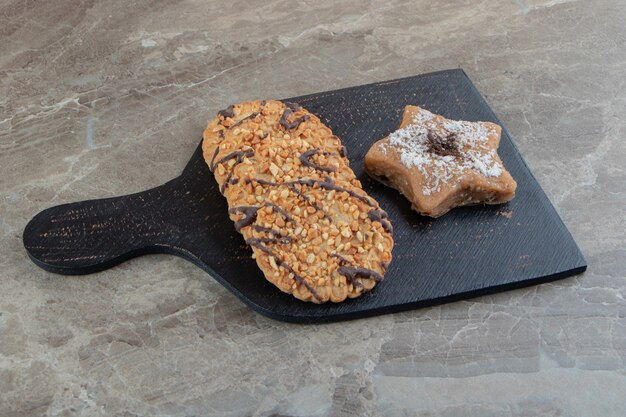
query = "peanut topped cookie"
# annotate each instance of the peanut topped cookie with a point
(313, 231)
(438, 163)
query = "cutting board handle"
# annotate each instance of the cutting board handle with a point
(93, 235)
(90, 236)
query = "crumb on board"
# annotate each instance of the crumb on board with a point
(505, 213)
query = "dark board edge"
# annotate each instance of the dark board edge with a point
(398, 308)
(451, 71)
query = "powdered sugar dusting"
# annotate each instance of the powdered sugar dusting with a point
(412, 144)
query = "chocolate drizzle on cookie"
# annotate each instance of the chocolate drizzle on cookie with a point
(310, 201)
(248, 117)
(238, 155)
(250, 214)
(381, 217)
(442, 145)
(212, 163)
(263, 229)
(280, 211)
(327, 184)
(351, 272)
(292, 186)
(229, 181)
(226, 181)
(288, 112)
(284, 239)
(227, 112)
(299, 279)
(305, 160)
(292, 106)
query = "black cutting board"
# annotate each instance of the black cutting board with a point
(468, 252)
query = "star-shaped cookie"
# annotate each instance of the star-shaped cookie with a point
(439, 164)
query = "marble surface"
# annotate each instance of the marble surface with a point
(105, 98)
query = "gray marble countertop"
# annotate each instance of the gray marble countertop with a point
(101, 99)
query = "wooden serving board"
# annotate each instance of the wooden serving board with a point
(468, 252)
